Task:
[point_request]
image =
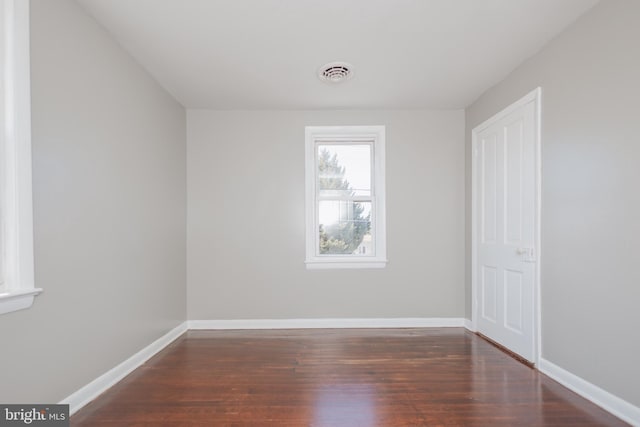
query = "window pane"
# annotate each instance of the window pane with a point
(345, 228)
(344, 170)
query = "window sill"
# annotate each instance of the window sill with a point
(346, 264)
(17, 300)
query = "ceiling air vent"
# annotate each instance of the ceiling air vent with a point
(335, 72)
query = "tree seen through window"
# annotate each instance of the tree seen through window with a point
(345, 224)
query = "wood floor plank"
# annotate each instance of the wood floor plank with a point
(338, 377)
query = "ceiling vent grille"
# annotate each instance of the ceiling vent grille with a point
(335, 72)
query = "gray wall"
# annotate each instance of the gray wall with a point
(109, 207)
(246, 236)
(590, 198)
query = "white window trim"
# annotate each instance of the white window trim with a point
(17, 290)
(376, 134)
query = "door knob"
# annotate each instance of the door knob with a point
(529, 254)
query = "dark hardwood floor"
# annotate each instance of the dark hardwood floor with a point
(338, 377)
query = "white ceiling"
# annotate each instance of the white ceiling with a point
(264, 54)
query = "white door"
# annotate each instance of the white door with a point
(505, 226)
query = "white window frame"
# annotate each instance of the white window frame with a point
(374, 135)
(17, 287)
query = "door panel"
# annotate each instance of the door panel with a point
(513, 300)
(505, 210)
(489, 294)
(489, 189)
(513, 182)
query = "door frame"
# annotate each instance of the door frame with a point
(534, 96)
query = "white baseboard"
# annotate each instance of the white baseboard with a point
(407, 322)
(609, 402)
(101, 384)
(468, 325)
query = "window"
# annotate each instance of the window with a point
(345, 197)
(17, 288)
